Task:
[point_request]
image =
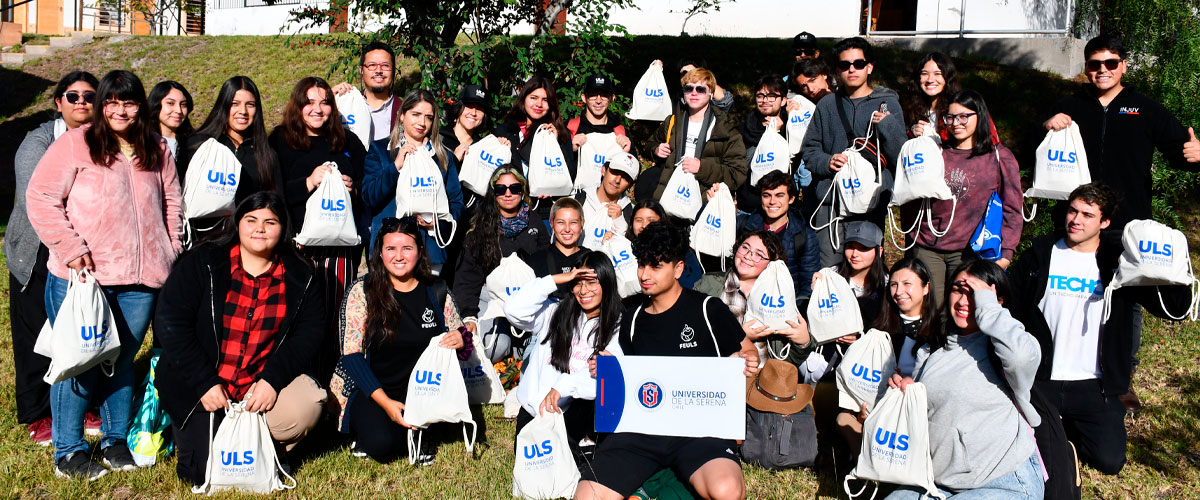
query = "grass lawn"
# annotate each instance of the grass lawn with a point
(1164, 441)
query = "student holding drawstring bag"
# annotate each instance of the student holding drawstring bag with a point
(976, 167)
(387, 321)
(978, 368)
(310, 143)
(536, 109)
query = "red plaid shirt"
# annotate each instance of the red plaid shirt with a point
(254, 309)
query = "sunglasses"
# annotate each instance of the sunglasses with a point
(73, 97)
(857, 63)
(806, 52)
(1111, 64)
(515, 188)
(407, 225)
(699, 89)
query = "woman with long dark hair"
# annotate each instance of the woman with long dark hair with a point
(503, 224)
(416, 129)
(105, 198)
(236, 122)
(909, 310)
(170, 107)
(933, 82)
(536, 108)
(976, 167)
(26, 256)
(240, 320)
(387, 321)
(978, 368)
(568, 333)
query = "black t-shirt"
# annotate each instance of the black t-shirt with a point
(550, 260)
(682, 330)
(392, 361)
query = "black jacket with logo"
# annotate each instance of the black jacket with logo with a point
(1028, 277)
(1120, 141)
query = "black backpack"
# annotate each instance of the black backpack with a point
(775, 441)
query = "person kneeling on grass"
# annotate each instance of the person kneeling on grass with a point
(240, 320)
(388, 318)
(569, 333)
(625, 460)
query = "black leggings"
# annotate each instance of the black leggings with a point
(375, 433)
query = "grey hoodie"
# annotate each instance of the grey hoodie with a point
(976, 434)
(826, 135)
(20, 241)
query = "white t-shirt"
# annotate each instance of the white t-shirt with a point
(1073, 306)
(381, 121)
(689, 142)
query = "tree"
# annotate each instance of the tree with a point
(1163, 38)
(432, 33)
(698, 7)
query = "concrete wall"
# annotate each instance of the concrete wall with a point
(945, 15)
(1062, 56)
(266, 20)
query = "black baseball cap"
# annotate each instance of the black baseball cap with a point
(598, 83)
(804, 40)
(473, 95)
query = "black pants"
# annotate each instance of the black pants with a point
(27, 310)
(1093, 421)
(384, 440)
(192, 442)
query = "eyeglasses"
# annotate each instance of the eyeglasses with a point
(755, 256)
(806, 52)
(699, 89)
(764, 97)
(74, 97)
(515, 188)
(130, 107)
(591, 284)
(1093, 65)
(372, 66)
(857, 63)
(959, 118)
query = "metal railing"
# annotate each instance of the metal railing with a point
(238, 4)
(962, 21)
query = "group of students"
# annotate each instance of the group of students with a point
(243, 313)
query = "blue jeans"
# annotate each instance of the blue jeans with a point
(1025, 483)
(132, 306)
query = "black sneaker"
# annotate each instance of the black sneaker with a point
(118, 458)
(79, 465)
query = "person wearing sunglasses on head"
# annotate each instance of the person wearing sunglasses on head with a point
(107, 201)
(842, 117)
(377, 66)
(26, 256)
(699, 138)
(1121, 129)
(503, 224)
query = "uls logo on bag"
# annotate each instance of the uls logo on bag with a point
(687, 193)
(914, 166)
(763, 158)
(538, 451)
(428, 383)
(797, 118)
(348, 119)
(472, 373)
(425, 182)
(892, 440)
(333, 205)
(599, 159)
(620, 257)
(509, 290)
(93, 339)
(490, 159)
(1061, 156)
(557, 163)
(1154, 252)
(650, 395)
(598, 232)
(656, 93)
(851, 184)
(827, 307)
(236, 459)
(772, 301)
(229, 179)
(712, 220)
(866, 374)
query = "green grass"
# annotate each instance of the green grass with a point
(1164, 450)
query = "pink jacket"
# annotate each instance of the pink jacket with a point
(130, 220)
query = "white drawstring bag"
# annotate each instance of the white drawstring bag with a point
(1155, 255)
(833, 309)
(620, 250)
(1061, 166)
(421, 190)
(895, 443)
(328, 214)
(651, 101)
(716, 230)
(593, 154)
(84, 333)
(509, 276)
(596, 224)
(681, 197)
(921, 177)
(863, 375)
(855, 190)
(772, 154)
(482, 381)
(356, 115)
(548, 174)
(211, 181)
(772, 302)
(242, 456)
(797, 124)
(482, 158)
(544, 467)
(436, 393)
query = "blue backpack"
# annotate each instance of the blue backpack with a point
(986, 240)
